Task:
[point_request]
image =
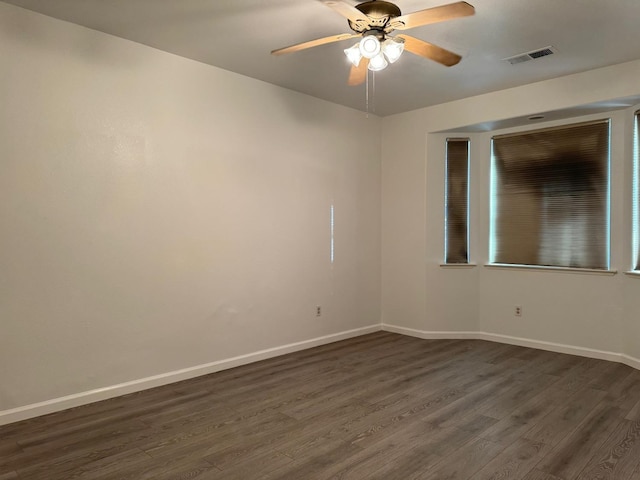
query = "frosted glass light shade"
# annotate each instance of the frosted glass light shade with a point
(378, 63)
(393, 47)
(369, 46)
(353, 54)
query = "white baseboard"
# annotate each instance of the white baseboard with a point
(522, 342)
(91, 396)
(631, 361)
(83, 398)
(430, 335)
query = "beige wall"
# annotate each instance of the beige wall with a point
(157, 214)
(589, 312)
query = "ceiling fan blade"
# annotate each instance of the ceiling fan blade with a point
(432, 15)
(430, 51)
(358, 74)
(314, 43)
(347, 11)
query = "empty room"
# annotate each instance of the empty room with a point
(319, 239)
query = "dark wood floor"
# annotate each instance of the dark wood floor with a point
(381, 406)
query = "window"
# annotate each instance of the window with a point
(636, 194)
(550, 197)
(457, 201)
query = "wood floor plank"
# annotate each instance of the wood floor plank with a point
(384, 455)
(311, 466)
(572, 454)
(464, 462)
(380, 406)
(476, 423)
(503, 403)
(564, 419)
(420, 458)
(391, 424)
(76, 457)
(625, 394)
(634, 413)
(563, 365)
(79, 416)
(265, 461)
(212, 438)
(514, 462)
(536, 474)
(292, 441)
(520, 421)
(363, 425)
(117, 462)
(618, 456)
(9, 453)
(469, 403)
(614, 374)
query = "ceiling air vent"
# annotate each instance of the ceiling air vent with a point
(525, 57)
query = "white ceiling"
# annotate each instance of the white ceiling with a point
(238, 35)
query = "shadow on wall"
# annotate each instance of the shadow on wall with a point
(134, 21)
(35, 31)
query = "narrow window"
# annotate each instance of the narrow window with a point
(550, 197)
(636, 194)
(457, 201)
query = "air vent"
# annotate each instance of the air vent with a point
(525, 57)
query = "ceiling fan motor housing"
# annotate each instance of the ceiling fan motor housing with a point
(379, 14)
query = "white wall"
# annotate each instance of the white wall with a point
(158, 214)
(632, 317)
(589, 312)
(554, 305)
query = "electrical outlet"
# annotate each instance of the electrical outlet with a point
(518, 311)
(318, 311)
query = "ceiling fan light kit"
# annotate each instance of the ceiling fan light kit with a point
(374, 21)
(393, 48)
(370, 46)
(380, 55)
(353, 54)
(378, 63)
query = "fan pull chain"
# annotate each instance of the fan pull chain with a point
(373, 92)
(370, 93)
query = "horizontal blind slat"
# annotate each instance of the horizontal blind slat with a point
(457, 199)
(551, 196)
(637, 192)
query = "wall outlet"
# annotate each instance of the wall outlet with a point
(518, 311)
(318, 311)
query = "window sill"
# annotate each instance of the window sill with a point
(458, 265)
(583, 271)
(633, 273)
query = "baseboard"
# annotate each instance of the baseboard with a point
(522, 342)
(83, 398)
(430, 335)
(631, 361)
(552, 346)
(91, 396)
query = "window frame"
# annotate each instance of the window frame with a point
(635, 197)
(445, 262)
(493, 201)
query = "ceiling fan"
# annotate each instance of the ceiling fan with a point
(374, 21)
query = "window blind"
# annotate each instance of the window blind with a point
(457, 201)
(550, 197)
